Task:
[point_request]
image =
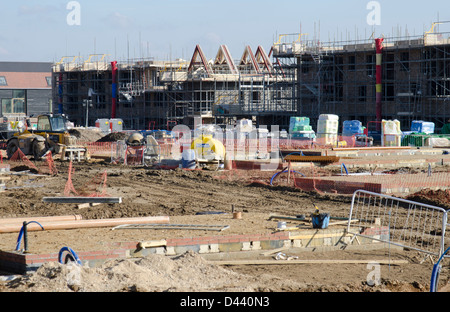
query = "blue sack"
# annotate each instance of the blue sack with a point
(320, 221)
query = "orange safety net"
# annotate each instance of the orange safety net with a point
(20, 159)
(95, 188)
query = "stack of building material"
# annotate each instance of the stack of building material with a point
(327, 129)
(391, 133)
(300, 128)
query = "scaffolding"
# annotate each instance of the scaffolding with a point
(222, 90)
(339, 77)
(299, 77)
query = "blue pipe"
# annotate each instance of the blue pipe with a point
(284, 170)
(295, 153)
(19, 239)
(435, 272)
(71, 252)
(343, 166)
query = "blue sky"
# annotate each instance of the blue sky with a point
(166, 30)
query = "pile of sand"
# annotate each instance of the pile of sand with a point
(87, 134)
(188, 272)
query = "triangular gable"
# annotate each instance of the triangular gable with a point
(277, 61)
(223, 57)
(263, 60)
(248, 60)
(198, 61)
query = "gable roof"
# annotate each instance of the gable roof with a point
(25, 80)
(248, 61)
(223, 57)
(25, 75)
(199, 61)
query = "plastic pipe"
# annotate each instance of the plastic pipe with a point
(71, 253)
(284, 171)
(65, 225)
(436, 271)
(20, 220)
(343, 166)
(23, 233)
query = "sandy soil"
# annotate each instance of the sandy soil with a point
(181, 195)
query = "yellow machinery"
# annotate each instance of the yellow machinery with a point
(51, 134)
(208, 150)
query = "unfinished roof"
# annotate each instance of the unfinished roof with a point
(224, 60)
(199, 61)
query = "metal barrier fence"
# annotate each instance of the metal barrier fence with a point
(398, 222)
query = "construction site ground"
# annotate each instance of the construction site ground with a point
(199, 197)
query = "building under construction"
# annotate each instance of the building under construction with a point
(405, 78)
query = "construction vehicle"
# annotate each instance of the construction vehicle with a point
(50, 135)
(208, 152)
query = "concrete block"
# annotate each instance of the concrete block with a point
(183, 249)
(214, 248)
(256, 245)
(246, 246)
(203, 249)
(170, 251)
(297, 243)
(271, 244)
(315, 242)
(160, 250)
(230, 247)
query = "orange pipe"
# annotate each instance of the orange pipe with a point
(67, 225)
(20, 220)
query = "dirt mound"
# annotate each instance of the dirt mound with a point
(86, 135)
(188, 272)
(113, 137)
(440, 198)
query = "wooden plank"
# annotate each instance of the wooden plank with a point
(149, 244)
(283, 262)
(87, 205)
(82, 200)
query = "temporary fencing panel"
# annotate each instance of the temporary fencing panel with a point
(398, 222)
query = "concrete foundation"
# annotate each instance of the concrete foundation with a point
(217, 246)
(391, 184)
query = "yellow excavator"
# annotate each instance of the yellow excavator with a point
(51, 135)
